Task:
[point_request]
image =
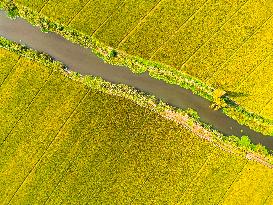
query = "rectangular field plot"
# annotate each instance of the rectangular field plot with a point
(7, 62)
(214, 178)
(252, 187)
(35, 5)
(94, 14)
(123, 21)
(225, 43)
(62, 10)
(18, 91)
(158, 25)
(191, 35)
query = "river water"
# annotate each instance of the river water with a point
(84, 61)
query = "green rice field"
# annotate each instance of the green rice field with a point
(225, 44)
(64, 143)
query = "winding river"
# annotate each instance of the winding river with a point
(84, 61)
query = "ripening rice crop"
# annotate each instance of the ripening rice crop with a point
(63, 142)
(225, 44)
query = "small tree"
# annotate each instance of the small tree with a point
(245, 142)
(218, 101)
(113, 54)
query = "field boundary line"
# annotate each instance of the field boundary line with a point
(196, 175)
(235, 179)
(68, 23)
(244, 43)
(23, 112)
(58, 132)
(265, 105)
(267, 197)
(142, 185)
(252, 71)
(47, 2)
(61, 178)
(68, 168)
(12, 69)
(140, 22)
(112, 14)
(216, 32)
(177, 31)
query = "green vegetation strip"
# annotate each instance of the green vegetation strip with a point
(106, 26)
(81, 139)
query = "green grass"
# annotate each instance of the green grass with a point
(222, 43)
(71, 144)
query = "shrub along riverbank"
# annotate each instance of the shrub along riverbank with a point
(67, 138)
(135, 63)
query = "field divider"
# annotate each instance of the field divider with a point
(68, 168)
(35, 165)
(142, 185)
(139, 23)
(237, 176)
(13, 67)
(177, 31)
(68, 23)
(114, 12)
(265, 105)
(253, 70)
(197, 174)
(44, 6)
(267, 197)
(22, 113)
(244, 43)
(219, 29)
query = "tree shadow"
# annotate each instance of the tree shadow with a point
(236, 94)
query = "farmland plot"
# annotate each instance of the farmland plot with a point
(222, 43)
(73, 144)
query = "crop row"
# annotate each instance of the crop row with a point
(93, 15)
(254, 93)
(7, 62)
(215, 177)
(252, 186)
(230, 38)
(17, 92)
(61, 10)
(36, 5)
(159, 25)
(34, 131)
(246, 59)
(176, 50)
(124, 20)
(66, 146)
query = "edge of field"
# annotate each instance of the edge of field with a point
(187, 118)
(139, 65)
